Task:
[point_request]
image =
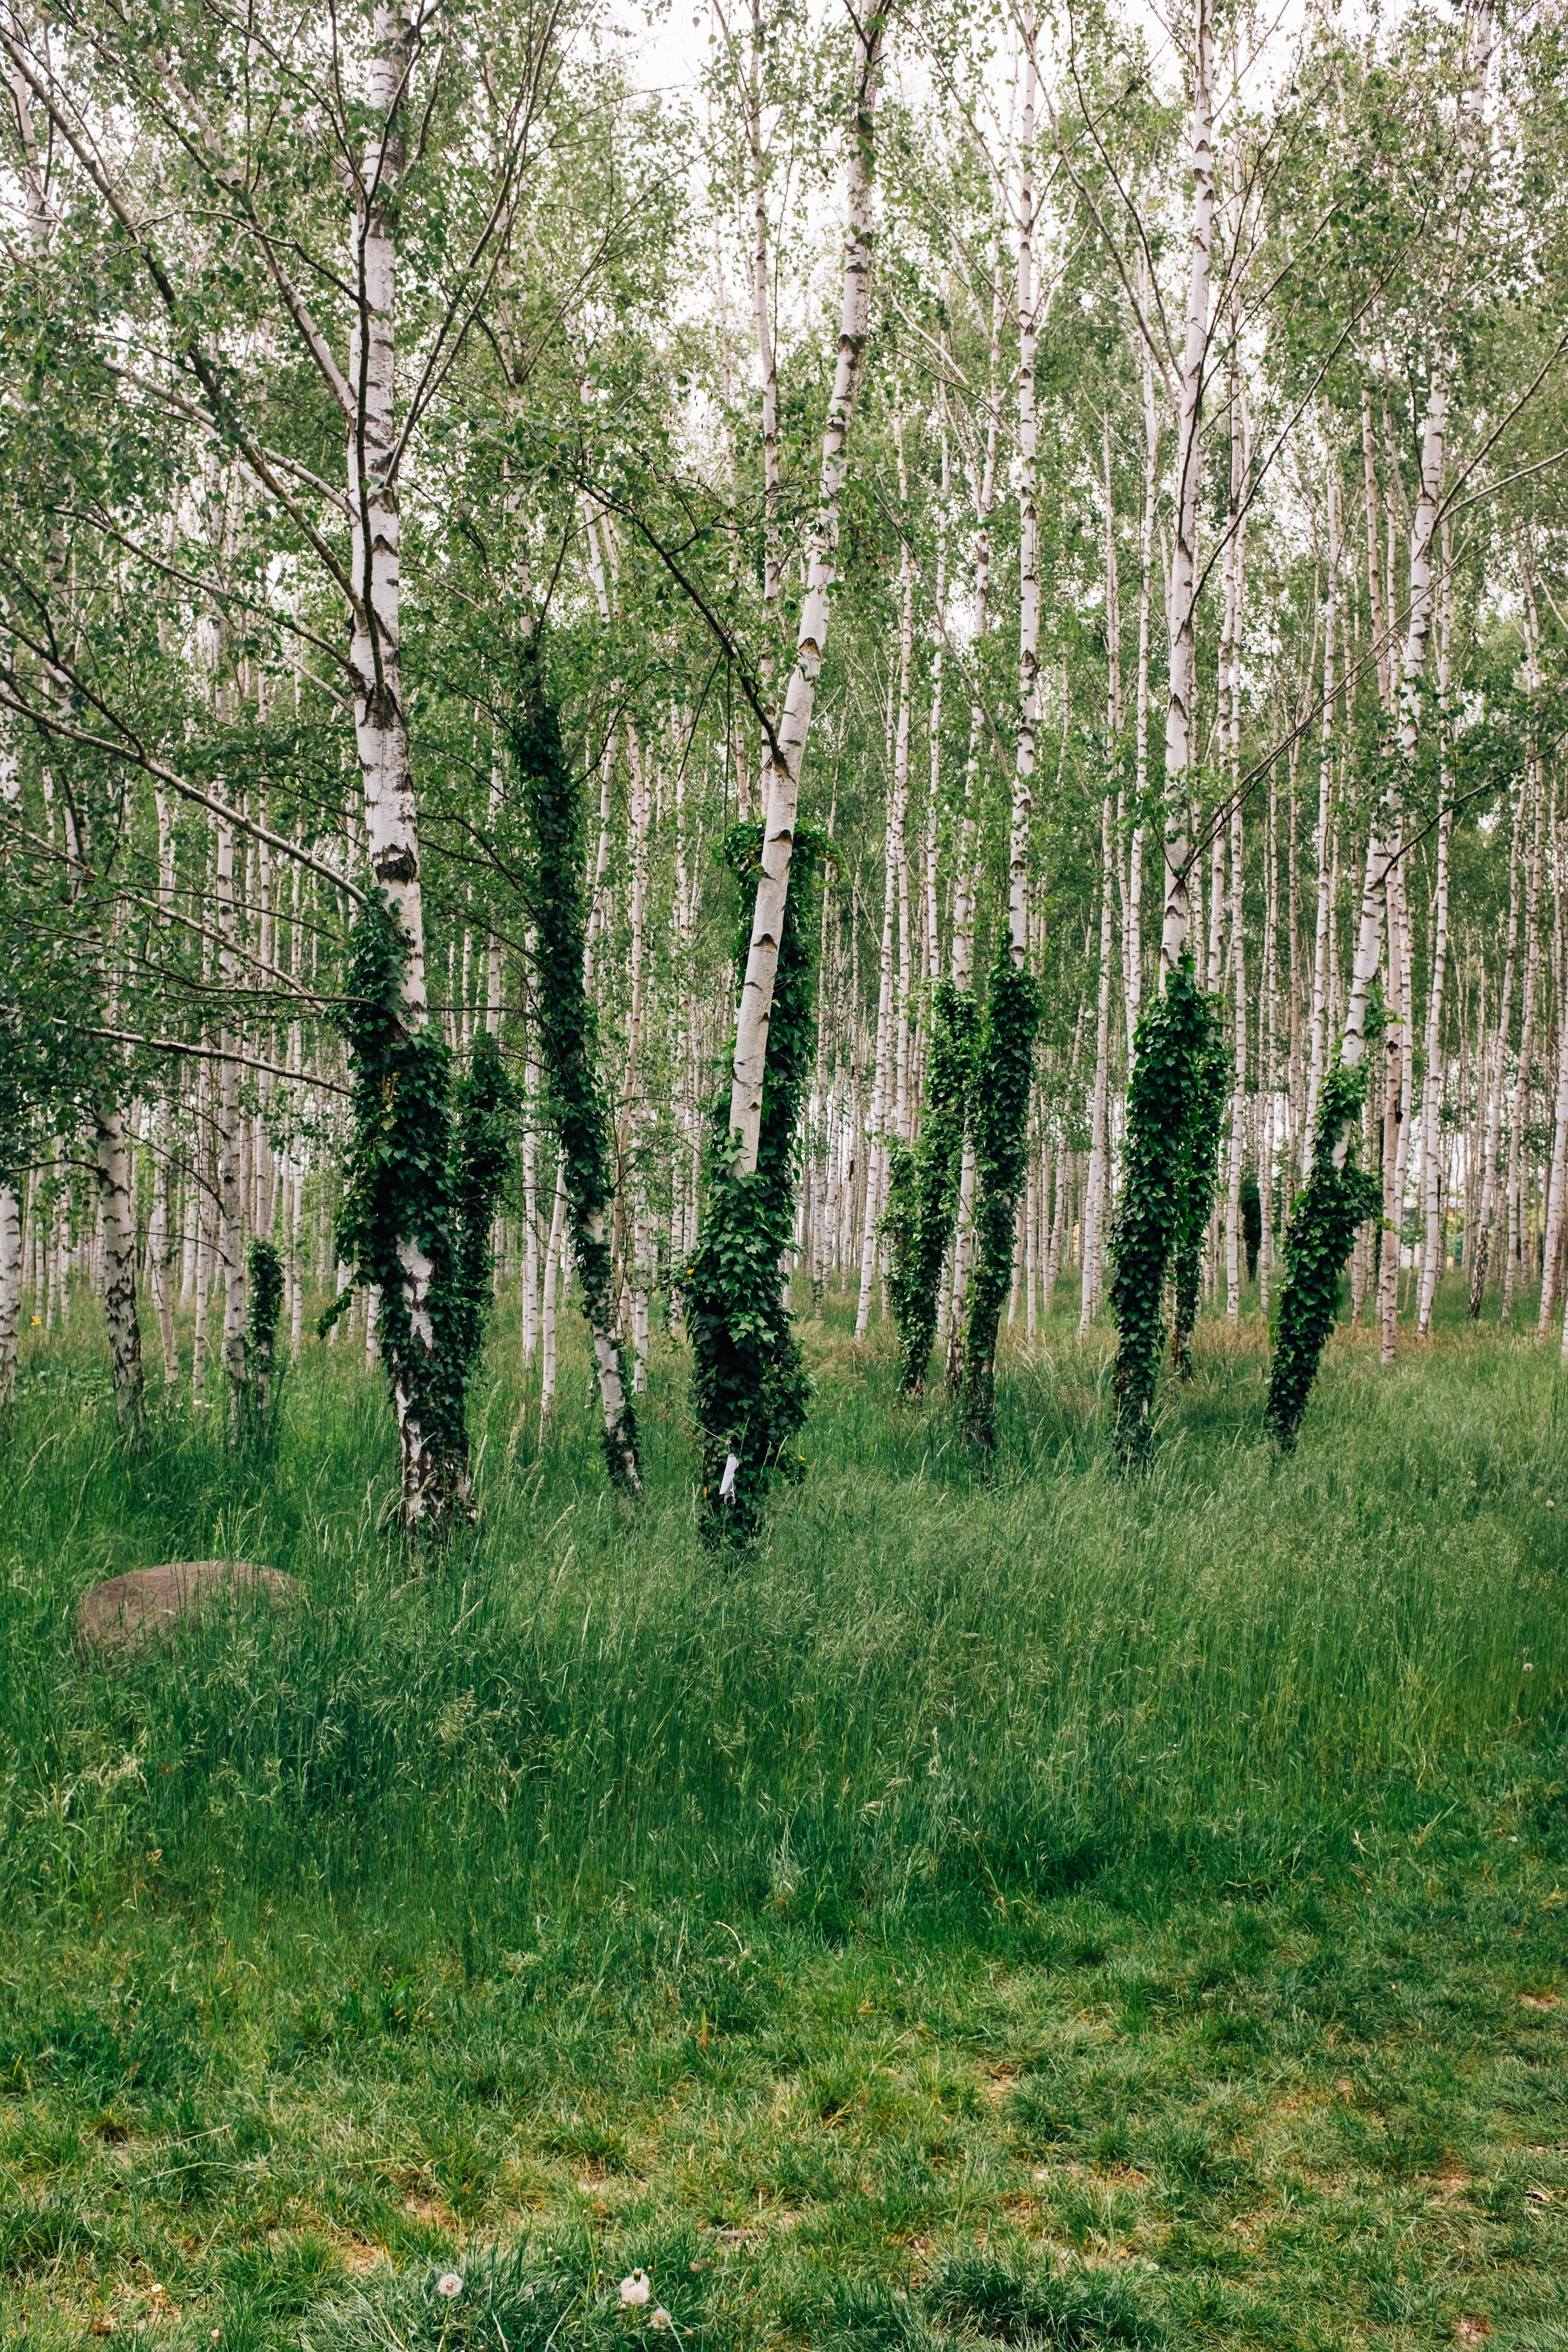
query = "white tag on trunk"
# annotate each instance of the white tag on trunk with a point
(727, 1482)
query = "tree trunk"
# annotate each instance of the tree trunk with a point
(117, 1217)
(10, 1292)
(1183, 557)
(786, 755)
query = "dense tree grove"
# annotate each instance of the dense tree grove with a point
(1085, 497)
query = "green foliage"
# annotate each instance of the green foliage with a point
(1167, 1118)
(265, 1293)
(922, 1185)
(1251, 1221)
(421, 1180)
(1004, 1068)
(1331, 1204)
(1198, 1168)
(524, 1904)
(568, 1032)
(749, 1384)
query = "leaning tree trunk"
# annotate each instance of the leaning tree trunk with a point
(786, 752)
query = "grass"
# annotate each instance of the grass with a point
(1047, 1909)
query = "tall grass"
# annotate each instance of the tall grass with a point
(925, 1689)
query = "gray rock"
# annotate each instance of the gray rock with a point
(128, 1612)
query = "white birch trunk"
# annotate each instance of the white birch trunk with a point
(117, 1222)
(231, 1207)
(10, 1292)
(1023, 801)
(1319, 1032)
(548, 1309)
(783, 775)
(1184, 555)
(1431, 1132)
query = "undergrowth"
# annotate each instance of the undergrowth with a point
(1045, 1907)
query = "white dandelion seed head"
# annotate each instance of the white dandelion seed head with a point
(661, 2318)
(635, 2289)
(449, 2283)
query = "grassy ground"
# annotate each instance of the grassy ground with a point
(1050, 1908)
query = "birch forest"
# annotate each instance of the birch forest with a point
(1093, 481)
(784, 1174)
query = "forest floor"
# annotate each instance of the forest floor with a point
(1039, 1907)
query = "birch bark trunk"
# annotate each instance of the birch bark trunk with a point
(1431, 1133)
(10, 1292)
(231, 1210)
(1183, 553)
(1494, 1094)
(786, 753)
(1023, 801)
(1100, 1135)
(117, 1225)
(1534, 785)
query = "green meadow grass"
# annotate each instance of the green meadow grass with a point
(1043, 1906)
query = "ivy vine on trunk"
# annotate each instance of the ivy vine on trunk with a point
(1004, 1068)
(1332, 1203)
(1198, 1170)
(266, 1289)
(568, 1036)
(423, 1181)
(749, 1384)
(922, 1186)
(1174, 1047)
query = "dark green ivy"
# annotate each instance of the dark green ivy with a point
(1331, 1203)
(749, 1384)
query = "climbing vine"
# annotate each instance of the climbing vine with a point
(265, 1290)
(749, 1384)
(1173, 1049)
(1331, 1203)
(422, 1186)
(568, 1038)
(922, 1185)
(1251, 1221)
(1198, 1168)
(1004, 1066)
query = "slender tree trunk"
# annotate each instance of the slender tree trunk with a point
(117, 1217)
(1189, 467)
(10, 1292)
(782, 783)
(548, 1309)
(1495, 1092)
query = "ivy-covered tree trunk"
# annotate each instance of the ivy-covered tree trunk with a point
(568, 1034)
(922, 1207)
(1003, 1072)
(749, 1385)
(1172, 1132)
(1176, 1049)
(422, 1190)
(1004, 1063)
(1196, 1175)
